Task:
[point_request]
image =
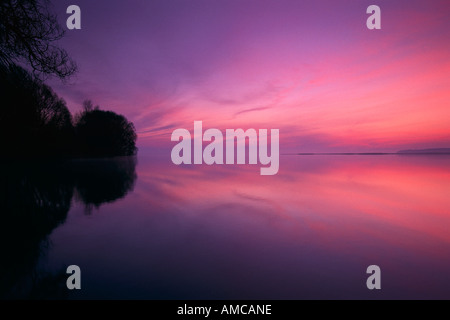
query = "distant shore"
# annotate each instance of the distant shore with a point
(436, 151)
(426, 151)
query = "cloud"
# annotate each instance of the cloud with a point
(251, 110)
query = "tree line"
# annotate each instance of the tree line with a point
(34, 121)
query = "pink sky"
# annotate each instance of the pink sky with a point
(309, 68)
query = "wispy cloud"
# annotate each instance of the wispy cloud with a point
(309, 68)
(251, 110)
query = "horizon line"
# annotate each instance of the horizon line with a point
(361, 153)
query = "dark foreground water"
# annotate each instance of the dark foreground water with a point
(148, 229)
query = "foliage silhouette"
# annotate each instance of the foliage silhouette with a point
(34, 121)
(35, 197)
(28, 33)
(105, 133)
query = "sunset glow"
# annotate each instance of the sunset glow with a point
(309, 68)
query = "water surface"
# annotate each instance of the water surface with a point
(153, 230)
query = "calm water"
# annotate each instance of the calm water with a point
(152, 230)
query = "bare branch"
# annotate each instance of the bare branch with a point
(28, 31)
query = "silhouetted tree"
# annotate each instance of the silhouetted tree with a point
(104, 134)
(28, 33)
(89, 106)
(33, 119)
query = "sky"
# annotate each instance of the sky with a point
(311, 69)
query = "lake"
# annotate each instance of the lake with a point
(147, 229)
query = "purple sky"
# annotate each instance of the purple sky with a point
(310, 68)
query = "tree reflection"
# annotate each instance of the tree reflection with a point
(36, 198)
(99, 181)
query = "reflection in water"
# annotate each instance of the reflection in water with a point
(226, 232)
(103, 180)
(35, 199)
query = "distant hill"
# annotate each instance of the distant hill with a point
(426, 151)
